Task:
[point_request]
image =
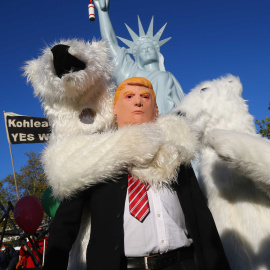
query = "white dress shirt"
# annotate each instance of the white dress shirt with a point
(162, 230)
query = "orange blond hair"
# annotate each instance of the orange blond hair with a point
(138, 81)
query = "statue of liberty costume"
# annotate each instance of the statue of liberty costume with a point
(149, 62)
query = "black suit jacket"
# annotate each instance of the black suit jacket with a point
(106, 246)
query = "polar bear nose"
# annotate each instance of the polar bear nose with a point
(87, 116)
(64, 62)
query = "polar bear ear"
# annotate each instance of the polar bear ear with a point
(30, 70)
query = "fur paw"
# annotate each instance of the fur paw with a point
(140, 143)
(178, 132)
(163, 168)
(222, 141)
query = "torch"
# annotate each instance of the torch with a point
(91, 10)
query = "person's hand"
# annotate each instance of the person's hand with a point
(102, 5)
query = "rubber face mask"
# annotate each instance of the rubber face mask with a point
(135, 105)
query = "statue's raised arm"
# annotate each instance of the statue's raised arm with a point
(149, 62)
(106, 29)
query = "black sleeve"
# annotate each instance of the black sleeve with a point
(14, 257)
(63, 232)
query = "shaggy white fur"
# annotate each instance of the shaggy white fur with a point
(179, 147)
(248, 154)
(140, 148)
(79, 155)
(240, 209)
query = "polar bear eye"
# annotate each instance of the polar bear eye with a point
(87, 116)
(203, 89)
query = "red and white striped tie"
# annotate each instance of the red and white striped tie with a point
(138, 200)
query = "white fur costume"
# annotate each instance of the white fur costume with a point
(248, 154)
(233, 170)
(78, 155)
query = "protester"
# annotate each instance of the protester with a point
(172, 229)
(25, 258)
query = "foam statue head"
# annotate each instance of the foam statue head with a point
(135, 102)
(146, 47)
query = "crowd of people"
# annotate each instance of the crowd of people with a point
(30, 255)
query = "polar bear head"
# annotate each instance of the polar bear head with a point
(79, 100)
(217, 104)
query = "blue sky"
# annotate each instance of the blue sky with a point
(210, 38)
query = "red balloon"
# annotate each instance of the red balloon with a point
(28, 213)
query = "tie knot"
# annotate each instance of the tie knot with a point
(137, 182)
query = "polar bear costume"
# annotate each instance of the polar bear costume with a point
(233, 170)
(252, 161)
(83, 150)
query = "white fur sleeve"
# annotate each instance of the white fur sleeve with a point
(178, 131)
(84, 160)
(249, 155)
(179, 148)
